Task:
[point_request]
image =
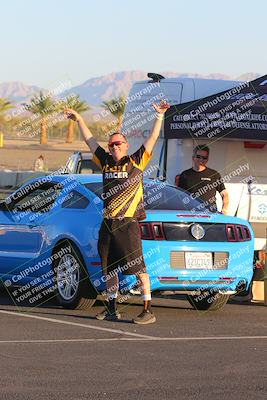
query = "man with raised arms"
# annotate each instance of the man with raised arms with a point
(119, 242)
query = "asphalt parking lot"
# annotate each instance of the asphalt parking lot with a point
(52, 353)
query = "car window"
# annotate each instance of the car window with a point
(87, 167)
(161, 196)
(75, 200)
(35, 197)
(158, 195)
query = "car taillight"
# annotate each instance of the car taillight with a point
(145, 230)
(246, 233)
(230, 233)
(158, 231)
(237, 233)
(151, 231)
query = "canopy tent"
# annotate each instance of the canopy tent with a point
(237, 113)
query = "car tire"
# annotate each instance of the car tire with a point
(211, 301)
(74, 289)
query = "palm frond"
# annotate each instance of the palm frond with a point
(5, 105)
(76, 103)
(115, 106)
(41, 104)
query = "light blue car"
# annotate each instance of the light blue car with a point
(48, 244)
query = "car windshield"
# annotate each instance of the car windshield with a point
(158, 195)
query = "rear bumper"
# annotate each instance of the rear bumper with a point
(225, 286)
(167, 273)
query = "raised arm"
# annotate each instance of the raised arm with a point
(151, 140)
(87, 134)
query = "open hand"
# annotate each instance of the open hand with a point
(162, 107)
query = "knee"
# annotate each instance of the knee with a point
(143, 277)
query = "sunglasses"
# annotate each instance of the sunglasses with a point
(116, 143)
(201, 157)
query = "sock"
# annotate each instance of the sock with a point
(147, 301)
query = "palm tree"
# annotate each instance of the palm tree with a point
(5, 105)
(116, 107)
(42, 105)
(77, 105)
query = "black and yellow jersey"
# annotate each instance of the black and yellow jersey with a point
(123, 183)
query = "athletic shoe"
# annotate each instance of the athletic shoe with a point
(146, 317)
(106, 315)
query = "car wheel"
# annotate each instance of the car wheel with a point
(211, 301)
(73, 286)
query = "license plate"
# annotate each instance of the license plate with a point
(198, 260)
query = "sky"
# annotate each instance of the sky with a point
(56, 40)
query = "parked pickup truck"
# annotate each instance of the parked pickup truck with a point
(81, 163)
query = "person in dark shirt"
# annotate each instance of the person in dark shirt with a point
(203, 182)
(119, 243)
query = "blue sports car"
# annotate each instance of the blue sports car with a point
(48, 244)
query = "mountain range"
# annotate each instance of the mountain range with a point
(96, 90)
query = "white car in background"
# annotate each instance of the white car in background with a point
(81, 162)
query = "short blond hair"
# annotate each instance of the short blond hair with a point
(118, 133)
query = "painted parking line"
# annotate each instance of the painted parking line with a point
(132, 339)
(87, 326)
(133, 336)
(195, 338)
(51, 341)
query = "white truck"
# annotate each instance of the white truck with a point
(241, 161)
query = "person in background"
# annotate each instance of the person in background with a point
(203, 182)
(39, 163)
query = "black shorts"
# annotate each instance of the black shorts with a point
(120, 246)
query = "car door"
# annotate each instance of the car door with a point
(21, 228)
